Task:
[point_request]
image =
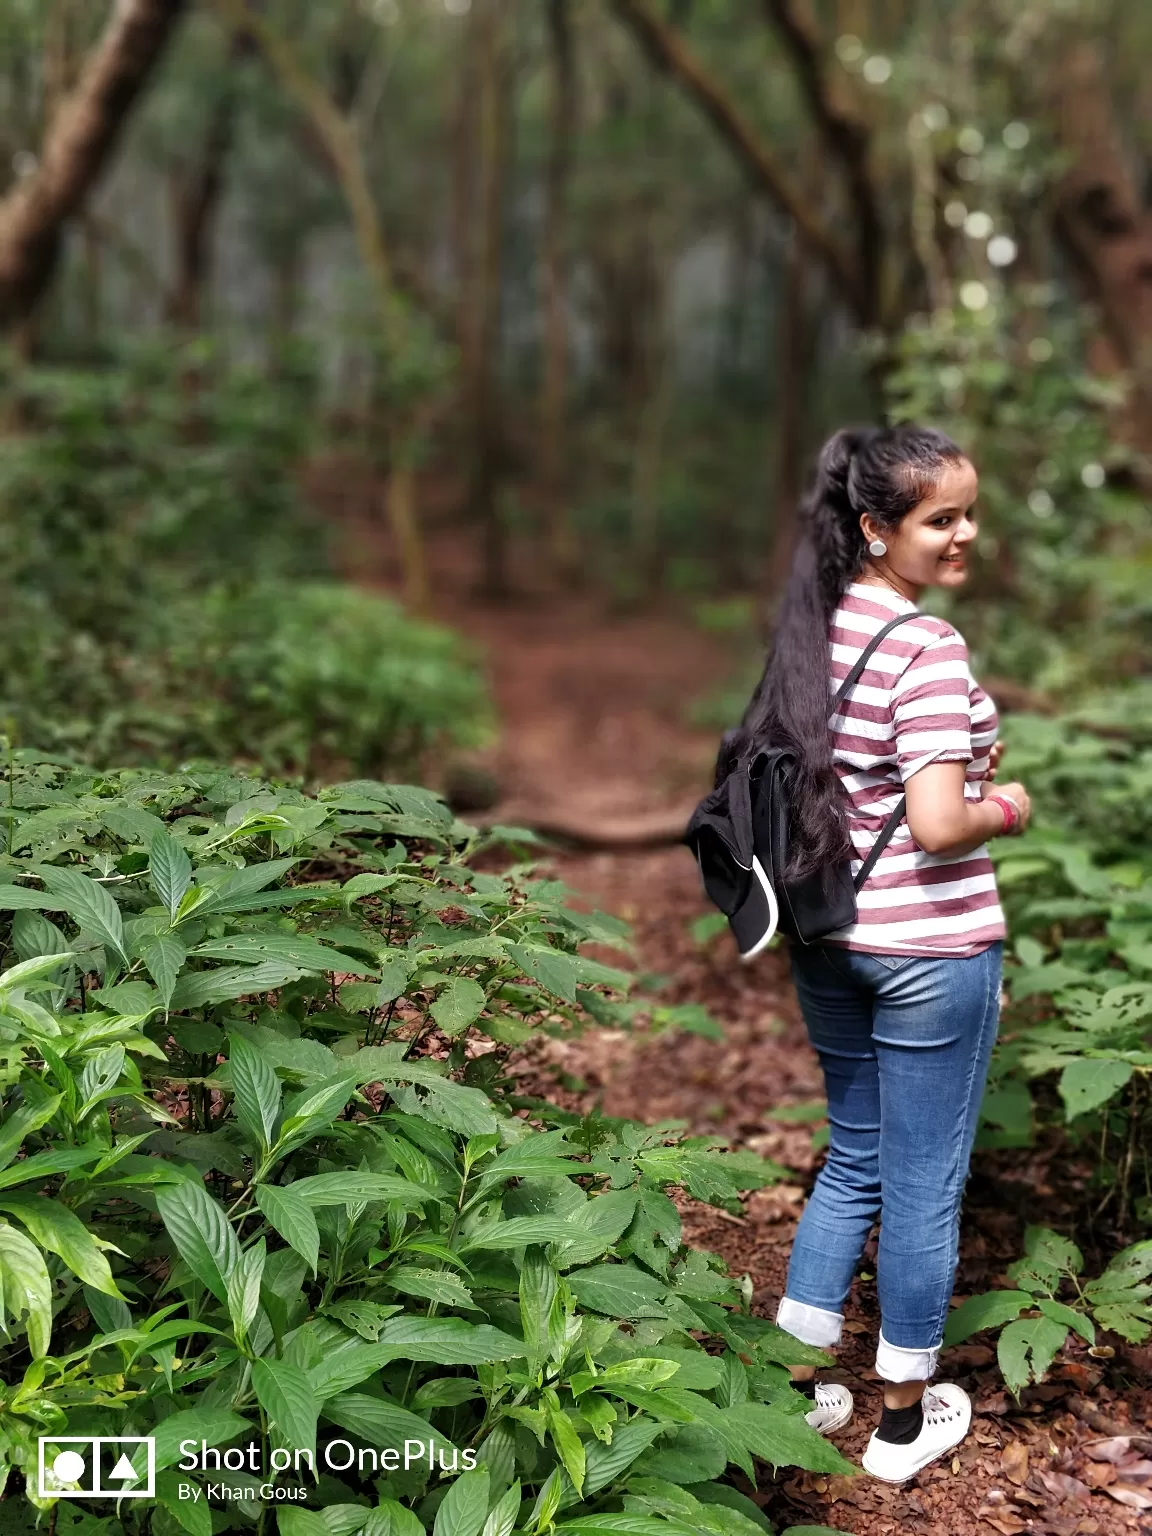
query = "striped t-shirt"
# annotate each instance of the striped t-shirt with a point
(916, 703)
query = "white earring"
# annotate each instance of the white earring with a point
(877, 548)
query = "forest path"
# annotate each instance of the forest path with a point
(592, 724)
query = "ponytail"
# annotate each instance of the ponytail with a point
(885, 471)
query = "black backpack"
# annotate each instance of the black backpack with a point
(740, 835)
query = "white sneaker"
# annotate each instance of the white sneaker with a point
(947, 1415)
(833, 1407)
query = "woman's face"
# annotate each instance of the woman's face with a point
(929, 547)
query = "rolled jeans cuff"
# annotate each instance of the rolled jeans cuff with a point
(811, 1325)
(895, 1364)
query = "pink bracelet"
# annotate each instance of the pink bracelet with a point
(1011, 812)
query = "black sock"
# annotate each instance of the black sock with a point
(900, 1426)
(806, 1388)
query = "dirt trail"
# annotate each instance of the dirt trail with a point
(592, 710)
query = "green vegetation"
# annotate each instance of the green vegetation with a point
(159, 579)
(275, 1188)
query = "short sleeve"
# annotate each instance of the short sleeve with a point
(931, 712)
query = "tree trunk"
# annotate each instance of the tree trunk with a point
(793, 350)
(400, 428)
(484, 410)
(77, 143)
(196, 196)
(553, 408)
(1104, 226)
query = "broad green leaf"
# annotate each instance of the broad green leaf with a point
(465, 1508)
(232, 893)
(22, 898)
(1051, 1250)
(1086, 1083)
(627, 1525)
(29, 972)
(989, 1310)
(191, 1514)
(169, 870)
(323, 1189)
(391, 1519)
(604, 1220)
(569, 1446)
(293, 1218)
(502, 1517)
(1069, 1317)
(202, 1233)
(440, 1285)
(243, 1283)
(460, 1004)
(25, 1289)
(378, 1422)
(733, 1499)
(619, 1290)
(61, 1231)
(197, 989)
(164, 955)
(539, 1287)
(256, 1091)
(297, 949)
(692, 1453)
(448, 1341)
(507, 1235)
(91, 904)
(1027, 1348)
(21, 1124)
(218, 1426)
(555, 971)
(41, 1164)
(287, 1398)
(606, 1463)
(784, 1439)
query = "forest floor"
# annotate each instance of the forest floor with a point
(593, 726)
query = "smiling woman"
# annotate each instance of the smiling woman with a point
(876, 703)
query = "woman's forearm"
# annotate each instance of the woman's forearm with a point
(941, 820)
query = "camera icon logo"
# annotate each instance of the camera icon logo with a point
(97, 1467)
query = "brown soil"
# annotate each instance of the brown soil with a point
(592, 710)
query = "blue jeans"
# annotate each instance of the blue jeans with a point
(904, 1044)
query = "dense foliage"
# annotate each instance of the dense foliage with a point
(266, 1180)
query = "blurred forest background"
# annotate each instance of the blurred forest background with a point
(582, 283)
(376, 373)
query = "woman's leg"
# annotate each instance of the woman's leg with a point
(846, 1199)
(934, 1028)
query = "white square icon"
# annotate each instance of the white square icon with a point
(97, 1467)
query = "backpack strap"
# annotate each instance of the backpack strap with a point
(889, 828)
(866, 655)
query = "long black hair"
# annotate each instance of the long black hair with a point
(886, 471)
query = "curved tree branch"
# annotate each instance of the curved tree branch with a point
(669, 52)
(77, 143)
(847, 138)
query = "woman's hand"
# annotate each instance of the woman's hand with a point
(994, 757)
(1019, 797)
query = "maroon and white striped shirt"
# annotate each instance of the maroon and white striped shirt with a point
(916, 703)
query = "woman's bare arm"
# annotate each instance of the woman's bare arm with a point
(943, 822)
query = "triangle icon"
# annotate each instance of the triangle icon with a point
(124, 1470)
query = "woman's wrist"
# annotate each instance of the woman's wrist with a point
(1009, 810)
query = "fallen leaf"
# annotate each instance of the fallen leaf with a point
(1114, 1449)
(1128, 1493)
(1014, 1462)
(1098, 1474)
(970, 1356)
(1009, 1525)
(1061, 1486)
(1136, 1471)
(852, 1326)
(997, 1404)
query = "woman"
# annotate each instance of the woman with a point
(902, 1006)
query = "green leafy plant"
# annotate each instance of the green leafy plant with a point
(1034, 1323)
(265, 1181)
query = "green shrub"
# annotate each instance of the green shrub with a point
(160, 585)
(276, 1188)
